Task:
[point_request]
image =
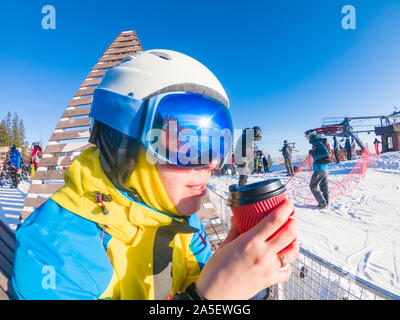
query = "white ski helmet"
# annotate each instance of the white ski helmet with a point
(151, 72)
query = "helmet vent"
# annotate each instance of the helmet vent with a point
(162, 55)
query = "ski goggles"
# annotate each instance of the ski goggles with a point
(179, 128)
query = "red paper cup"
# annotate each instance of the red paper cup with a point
(252, 202)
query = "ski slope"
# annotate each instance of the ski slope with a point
(11, 204)
(360, 231)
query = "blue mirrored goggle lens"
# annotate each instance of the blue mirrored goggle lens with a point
(191, 130)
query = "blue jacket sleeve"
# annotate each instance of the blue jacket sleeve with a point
(59, 255)
(200, 246)
(19, 161)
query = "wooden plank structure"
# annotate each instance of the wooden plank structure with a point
(7, 247)
(71, 134)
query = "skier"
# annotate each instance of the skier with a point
(2, 177)
(35, 155)
(259, 162)
(376, 143)
(244, 153)
(347, 146)
(287, 155)
(124, 224)
(15, 166)
(265, 164)
(319, 179)
(5, 171)
(255, 167)
(336, 149)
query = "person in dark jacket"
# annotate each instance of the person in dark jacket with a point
(347, 145)
(336, 149)
(15, 166)
(5, 172)
(2, 178)
(319, 179)
(287, 155)
(265, 164)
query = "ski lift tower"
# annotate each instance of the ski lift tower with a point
(389, 129)
(340, 127)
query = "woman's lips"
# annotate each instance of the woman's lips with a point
(198, 190)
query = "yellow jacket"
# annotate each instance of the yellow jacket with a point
(108, 248)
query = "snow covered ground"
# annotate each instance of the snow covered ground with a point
(12, 203)
(360, 231)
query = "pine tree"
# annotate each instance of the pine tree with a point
(4, 134)
(12, 131)
(21, 130)
(16, 138)
(8, 128)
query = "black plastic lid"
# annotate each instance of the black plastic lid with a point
(254, 192)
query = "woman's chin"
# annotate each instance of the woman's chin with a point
(189, 206)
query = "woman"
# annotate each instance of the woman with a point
(125, 226)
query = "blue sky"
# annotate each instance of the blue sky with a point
(284, 64)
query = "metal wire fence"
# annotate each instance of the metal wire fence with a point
(316, 279)
(313, 278)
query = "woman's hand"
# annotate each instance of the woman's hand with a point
(242, 267)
